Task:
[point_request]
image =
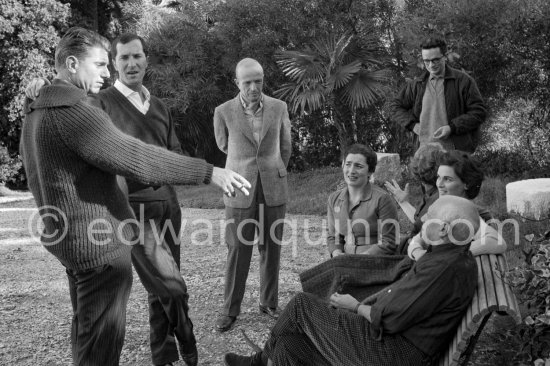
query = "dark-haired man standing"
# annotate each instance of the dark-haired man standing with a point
(442, 105)
(139, 114)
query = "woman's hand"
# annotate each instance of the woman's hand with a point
(33, 89)
(343, 301)
(337, 252)
(416, 250)
(396, 191)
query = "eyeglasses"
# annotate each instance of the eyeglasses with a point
(434, 61)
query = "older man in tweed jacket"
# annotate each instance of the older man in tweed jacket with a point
(254, 131)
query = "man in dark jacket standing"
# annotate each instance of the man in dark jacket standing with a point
(442, 105)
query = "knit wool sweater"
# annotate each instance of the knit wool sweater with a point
(72, 153)
(155, 127)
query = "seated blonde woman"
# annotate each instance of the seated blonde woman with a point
(458, 174)
(362, 218)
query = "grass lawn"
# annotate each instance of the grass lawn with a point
(34, 300)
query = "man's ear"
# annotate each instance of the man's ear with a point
(72, 64)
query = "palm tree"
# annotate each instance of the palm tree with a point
(338, 74)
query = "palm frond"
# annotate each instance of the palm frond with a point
(365, 88)
(309, 100)
(333, 48)
(302, 97)
(342, 75)
(300, 66)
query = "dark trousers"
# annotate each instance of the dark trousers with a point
(309, 332)
(157, 262)
(99, 297)
(239, 235)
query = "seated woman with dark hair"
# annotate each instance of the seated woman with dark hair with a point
(362, 217)
(459, 174)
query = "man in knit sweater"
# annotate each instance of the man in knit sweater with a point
(72, 153)
(443, 105)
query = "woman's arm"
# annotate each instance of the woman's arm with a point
(402, 198)
(335, 243)
(487, 241)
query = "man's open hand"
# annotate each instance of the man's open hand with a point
(228, 180)
(442, 133)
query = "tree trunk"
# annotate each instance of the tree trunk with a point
(347, 130)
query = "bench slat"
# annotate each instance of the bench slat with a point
(472, 310)
(492, 304)
(502, 299)
(456, 353)
(477, 314)
(513, 311)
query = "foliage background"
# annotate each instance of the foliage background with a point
(195, 45)
(503, 44)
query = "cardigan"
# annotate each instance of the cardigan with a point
(72, 153)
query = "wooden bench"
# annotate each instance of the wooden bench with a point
(493, 294)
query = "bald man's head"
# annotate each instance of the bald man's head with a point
(451, 219)
(248, 64)
(249, 77)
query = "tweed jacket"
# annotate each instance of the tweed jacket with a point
(466, 110)
(268, 159)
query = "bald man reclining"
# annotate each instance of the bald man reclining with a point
(409, 323)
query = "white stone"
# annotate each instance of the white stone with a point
(387, 168)
(530, 198)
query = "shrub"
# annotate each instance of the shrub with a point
(28, 35)
(8, 166)
(515, 141)
(531, 282)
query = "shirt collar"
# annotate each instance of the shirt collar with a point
(127, 91)
(367, 193)
(436, 77)
(246, 107)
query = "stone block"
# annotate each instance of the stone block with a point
(388, 168)
(529, 198)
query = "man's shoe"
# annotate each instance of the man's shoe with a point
(190, 359)
(272, 312)
(232, 359)
(225, 322)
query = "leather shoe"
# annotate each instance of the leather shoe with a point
(272, 312)
(232, 359)
(190, 359)
(225, 322)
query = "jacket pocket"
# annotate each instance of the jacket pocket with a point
(282, 172)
